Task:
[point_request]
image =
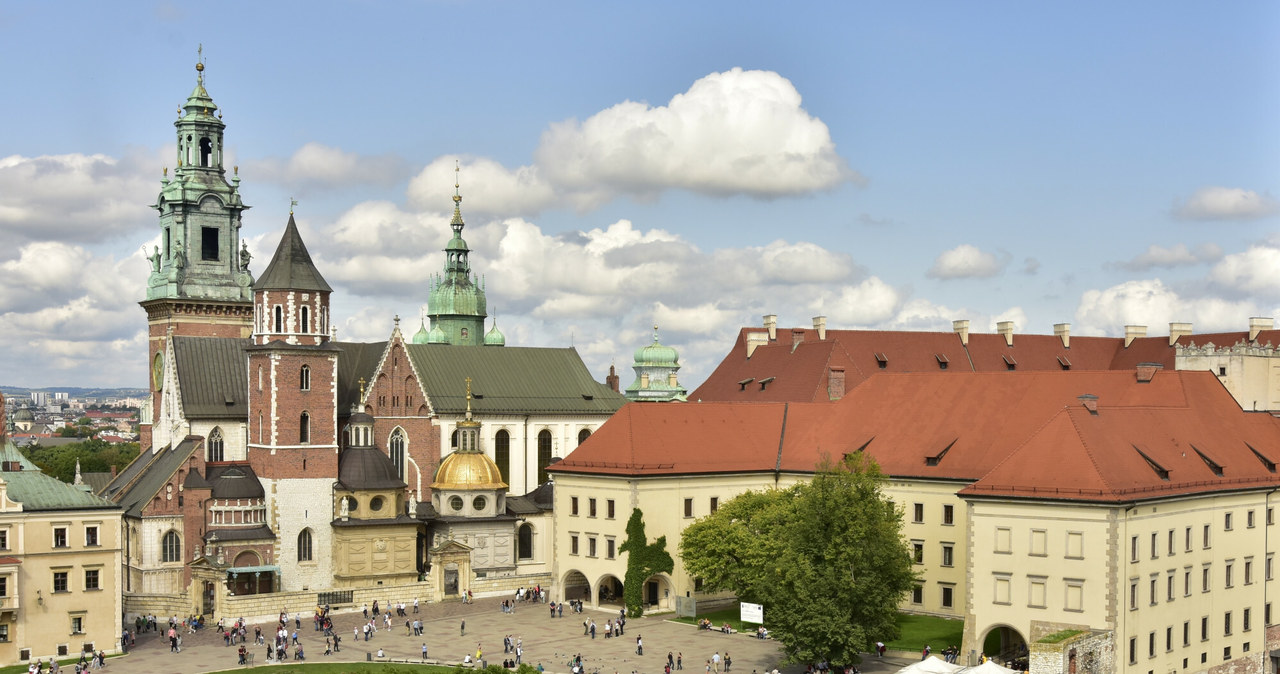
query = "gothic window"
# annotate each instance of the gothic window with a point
(502, 454)
(544, 454)
(304, 379)
(171, 547)
(279, 319)
(214, 445)
(209, 244)
(524, 542)
(306, 320)
(304, 545)
(583, 435)
(396, 447)
(304, 429)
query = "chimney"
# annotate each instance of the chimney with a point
(612, 380)
(644, 380)
(1090, 402)
(1006, 328)
(1257, 325)
(962, 328)
(671, 380)
(754, 340)
(835, 382)
(797, 336)
(771, 324)
(1132, 332)
(1177, 330)
(113, 471)
(1063, 331)
(1147, 372)
(820, 325)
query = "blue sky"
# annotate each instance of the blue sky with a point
(894, 165)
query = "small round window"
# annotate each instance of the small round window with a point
(456, 503)
(376, 503)
(479, 503)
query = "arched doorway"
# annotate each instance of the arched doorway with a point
(656, 593)
(1007, 646)
(609, 591)
(576, 586)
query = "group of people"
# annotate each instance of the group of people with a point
(612, 627)
(705, 624)
(88, 660)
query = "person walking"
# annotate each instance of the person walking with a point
(464, 628)
(639, 646)
(424, 644)
(727, 661)
(679, 661)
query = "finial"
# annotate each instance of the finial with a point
(468, 398)
(362, 389)
(457, 182)
(655, 333)
(166, 172)
(397, 319)
(236, 169)
(292, 202)
(200, 64)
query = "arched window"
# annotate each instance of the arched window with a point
(214, 445)
(279, 319)
(206, 151)
(304, 378)
(306, 320)
(544, 454)
(453, 439)
(502, 454)
(396, 447)
(524, 542)
(304, 429)
(304, 545)
(171, 547)
(583, 435)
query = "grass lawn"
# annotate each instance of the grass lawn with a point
(917, 630)
(726, 615)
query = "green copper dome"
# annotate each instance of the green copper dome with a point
(494, 337)
(657, 355)
(421, 336)
(456, 301)
(437, 336)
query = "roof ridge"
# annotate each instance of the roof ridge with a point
(1088, 450)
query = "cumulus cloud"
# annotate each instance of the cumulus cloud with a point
(76, 198)
(1254, 271)
(1179, 255)
(487, 187)
(966, 261)
(316, 166)
(1152, 303)
(1226, 203)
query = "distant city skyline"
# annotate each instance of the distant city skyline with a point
(694, 166)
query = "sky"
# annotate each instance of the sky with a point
(689, 165)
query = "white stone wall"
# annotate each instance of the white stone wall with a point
(159, 577)
(524, 441)
(293, 505)
(233, 436)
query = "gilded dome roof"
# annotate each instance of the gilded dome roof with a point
(468, 470)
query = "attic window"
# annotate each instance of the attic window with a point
(937, 459)
(742, 385)
(1159, 469)
(588, 396)
(1066, 364)
(765, 382)
(942, 360)
(883, 360)
(477, 396)
(1010, 362)
(1271, 465)
(1213, 465)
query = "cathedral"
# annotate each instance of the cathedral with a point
(283, 467)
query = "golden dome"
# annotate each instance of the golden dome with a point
(468, 470)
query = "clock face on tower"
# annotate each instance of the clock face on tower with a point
(157, 371)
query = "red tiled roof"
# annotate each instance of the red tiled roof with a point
(6, 561)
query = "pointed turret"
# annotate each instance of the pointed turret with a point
(291, 300)
(457, 302)
(291, 267)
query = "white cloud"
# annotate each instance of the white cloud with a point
(487, 188)
(76, 198)
(1150, 302)
(1226, 203)
(316, 166)
(1179, 255)
(966, 261)
(870, 302)
(1255, 271)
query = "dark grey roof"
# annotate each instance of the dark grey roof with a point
(143, 478)
(236, 480)
(358, 360)
(367, 468)
(212, 377)
(245, 534)
(291, 268)
(539, 500)
(96, 481)
(426, 511)
(510, 380)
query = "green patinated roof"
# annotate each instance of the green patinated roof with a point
(142, 479)
(37, 491)
(420, 337)
(291, 268)
(494, 337)
(510, 380)
(212, 376)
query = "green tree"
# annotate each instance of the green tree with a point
(643, 560)
(95, 455)
(826, 558)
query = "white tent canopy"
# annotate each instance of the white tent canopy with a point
(932, 665)
(989, 667)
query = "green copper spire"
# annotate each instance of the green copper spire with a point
(656, 366)
(200, 255)
(457, 302)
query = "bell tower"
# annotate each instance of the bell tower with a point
(456, 304)
(199, 283)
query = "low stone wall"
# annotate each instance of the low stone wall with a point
(501, 586)
(163, 606)
(259, 608)
(1093, 652)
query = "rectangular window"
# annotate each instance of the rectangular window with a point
(1226, 624)
(1154, 552)
(1133, 548)
(4, 539)
(1230, 575)
(1169, 583)
(1268, 563)
(1075, 545)
(60, 582)
(591, 546)
(1002, 589)
(609, 509)
(1151, 645)
(573, 544)
(4, 634)
(59, 537)
(591, 507)
(209, 244)
(573, 505)
(688, 507)
(948, 514)
(1186, 582)
(918, 513)
(1204, 628)
(1204, 578)
(4, 586)
(948, 593)
(1133, 594)
(715, 503)
(77, 624)
(1133, 650)
(1266, 614)
(917, 552)
(91, 579)
(1226, 521)
(1154, 597)
(1171, 537)
(1248, 571)
(1206, 537)
(948, 554)
(609, 548)
(91, 536)
(917, 594)
(1248, 519)
(1271, 516)
(1246, 619)
(1188, 539)
(1186, 632)
(1036, 592)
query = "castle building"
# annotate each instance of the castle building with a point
(278, 462)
